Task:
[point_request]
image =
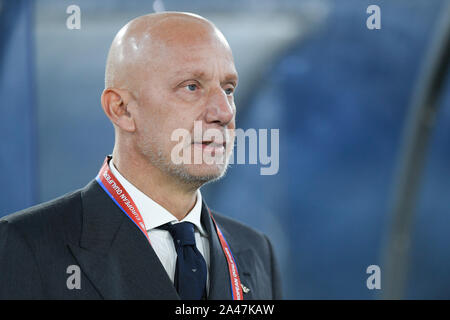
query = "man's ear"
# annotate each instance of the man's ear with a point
(114, 104)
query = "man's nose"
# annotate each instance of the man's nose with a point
(220, 108)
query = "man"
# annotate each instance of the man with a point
(140, 230)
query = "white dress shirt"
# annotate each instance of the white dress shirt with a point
(154, 215)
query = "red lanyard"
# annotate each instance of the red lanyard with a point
(120, 196)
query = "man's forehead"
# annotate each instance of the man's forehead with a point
(192, 57)
(167, 41)
(198, 63)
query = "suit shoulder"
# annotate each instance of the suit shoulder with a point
(34, 218)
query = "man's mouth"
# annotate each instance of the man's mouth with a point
(211, 146)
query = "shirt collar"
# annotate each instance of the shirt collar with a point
(153, 214)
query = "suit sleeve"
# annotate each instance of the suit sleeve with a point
(19, 274)
(276, 278)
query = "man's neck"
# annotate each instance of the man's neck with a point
(157, 185)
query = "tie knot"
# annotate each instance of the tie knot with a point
(182, 233)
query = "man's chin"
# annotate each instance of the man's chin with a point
(206, 172)
(199, 174)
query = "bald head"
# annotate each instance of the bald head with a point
(142, 43)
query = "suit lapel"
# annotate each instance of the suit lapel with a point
(220, 283)
(219, 277)
(115, 255)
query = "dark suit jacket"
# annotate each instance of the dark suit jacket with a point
(86, 228)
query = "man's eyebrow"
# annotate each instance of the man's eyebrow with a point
(231, 78)
(194, 73)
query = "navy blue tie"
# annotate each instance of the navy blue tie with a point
(190, 271)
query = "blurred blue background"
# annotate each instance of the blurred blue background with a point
(338, 92)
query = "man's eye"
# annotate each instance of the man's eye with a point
(229, 91)
(192, 87)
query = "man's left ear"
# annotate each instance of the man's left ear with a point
(115, 103)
